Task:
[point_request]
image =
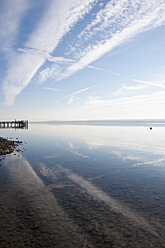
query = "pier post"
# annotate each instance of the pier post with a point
(14, 124)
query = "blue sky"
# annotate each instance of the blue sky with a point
(80, 60)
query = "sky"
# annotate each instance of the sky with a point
(82, 59)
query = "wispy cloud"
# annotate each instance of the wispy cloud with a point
(73, 96)
(72, 99)
(150, 83)
(131, 100)
(45, 37)
(11, 14)
(125, 89)
(44, 55)
(149, 105)
(18, 77)
(102, 69)
(60, 17)
(49, 72)
(114, 24)
(50, 89)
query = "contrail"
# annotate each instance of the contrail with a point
(101, 69)
(155, 84)
(44, 55)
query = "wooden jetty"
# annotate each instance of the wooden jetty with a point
(14, 124)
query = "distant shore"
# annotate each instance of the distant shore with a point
(113, 122)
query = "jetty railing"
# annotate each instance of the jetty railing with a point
(14, 124)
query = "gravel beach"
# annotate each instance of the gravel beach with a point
(8, 146)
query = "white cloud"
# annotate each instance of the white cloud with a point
(73, 96)
(141, 106)
(80, 91)
(50, 89)
(11, 14)
(49, 72)
(59, 18)
(44, 55)
(124, 21)
(110, 27)
(102, 69)
(127, 101)
(72, 99)
(150, 83)
(125, 89)
(18, 77)
(147, 106)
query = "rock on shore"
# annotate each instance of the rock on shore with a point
(7, 146)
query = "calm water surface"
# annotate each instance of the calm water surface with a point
(84, 186)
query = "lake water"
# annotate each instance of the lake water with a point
(84, 186)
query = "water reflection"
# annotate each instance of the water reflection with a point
(31, 213)
(85, 186)
(133, 143)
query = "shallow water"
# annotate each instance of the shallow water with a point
(84, 186)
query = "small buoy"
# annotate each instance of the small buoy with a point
(150, 128)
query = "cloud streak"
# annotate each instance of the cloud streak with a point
(11, 15)
(45, 38)
(150, 83)
(109, 27)
(129, 101)
(44, 55)
(123, 22)
(102, 69)
(50, 89)
(73, 96)
(19, 77)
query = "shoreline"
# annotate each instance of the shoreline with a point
(7, 146)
